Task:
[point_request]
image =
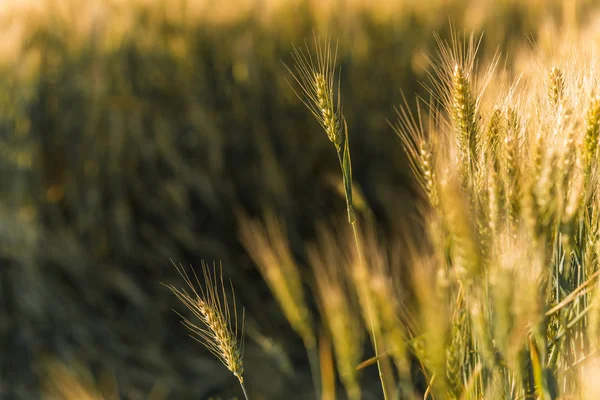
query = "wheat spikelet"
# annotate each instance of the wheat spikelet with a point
(209, 304)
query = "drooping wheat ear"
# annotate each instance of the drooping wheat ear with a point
(418, 149)
(556, 86)
(591, 133)
(209, 304)
(316, 78)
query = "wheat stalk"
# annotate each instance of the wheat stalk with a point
(316, 80)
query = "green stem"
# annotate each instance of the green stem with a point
(313, 360)
(244, 389)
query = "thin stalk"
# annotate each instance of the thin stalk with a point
(369, 312)
(313, 361)
(244, 390)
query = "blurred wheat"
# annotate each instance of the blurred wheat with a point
(129, 130)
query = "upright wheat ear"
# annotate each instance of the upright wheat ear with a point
(209, 304)
(463, 115)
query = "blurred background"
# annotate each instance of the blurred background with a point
(132, 133)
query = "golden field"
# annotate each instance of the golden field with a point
(138, 134)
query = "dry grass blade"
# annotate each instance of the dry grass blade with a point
(208, 303)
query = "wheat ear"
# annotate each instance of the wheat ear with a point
(209, 304)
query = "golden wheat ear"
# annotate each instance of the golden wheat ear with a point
(219, 332)
(315, 76)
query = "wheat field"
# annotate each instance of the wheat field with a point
(175, 223)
